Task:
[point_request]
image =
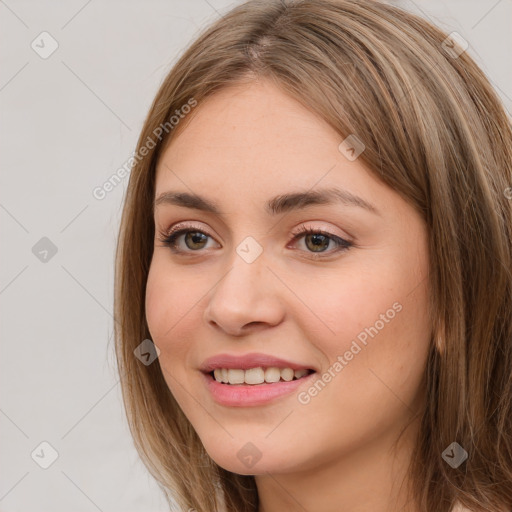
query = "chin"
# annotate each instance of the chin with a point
(249, 460)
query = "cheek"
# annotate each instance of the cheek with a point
(168, 300)
(342, 307)
(157, 302)
(164, 308)
(377, 319)
(381, 337)
(173, 308)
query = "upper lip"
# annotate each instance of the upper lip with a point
(244, 362)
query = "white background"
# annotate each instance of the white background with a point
(68, 123)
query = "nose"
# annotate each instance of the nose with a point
(246, 298)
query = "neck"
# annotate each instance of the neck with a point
(373, 477)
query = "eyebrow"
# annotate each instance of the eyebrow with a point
(279, 204)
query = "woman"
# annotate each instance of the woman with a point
(314, 268)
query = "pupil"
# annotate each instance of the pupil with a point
(195, 237)
(317, 241)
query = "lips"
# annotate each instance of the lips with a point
(252, 394)
(248, 361)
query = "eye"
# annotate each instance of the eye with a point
(316, 240)
(195, 239)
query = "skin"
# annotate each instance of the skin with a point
(239, 148)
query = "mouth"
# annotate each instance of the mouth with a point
(253, 379)
(257, 376)
(227, 389)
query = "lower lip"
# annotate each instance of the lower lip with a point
(251, 394)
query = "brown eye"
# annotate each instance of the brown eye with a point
(195, 239)
(317, 242)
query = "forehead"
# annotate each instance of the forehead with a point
(258, 116)
(254, 127)
(254, 142)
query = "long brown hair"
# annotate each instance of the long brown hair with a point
(436, 132)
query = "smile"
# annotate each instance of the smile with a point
(257, 394)
(259, 375)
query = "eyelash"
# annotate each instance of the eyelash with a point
(169, 240)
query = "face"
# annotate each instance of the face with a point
(346, 299)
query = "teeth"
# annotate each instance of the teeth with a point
(254, 376)
(236, 376)
(257, 375)
(287, 374)
(272, 375)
